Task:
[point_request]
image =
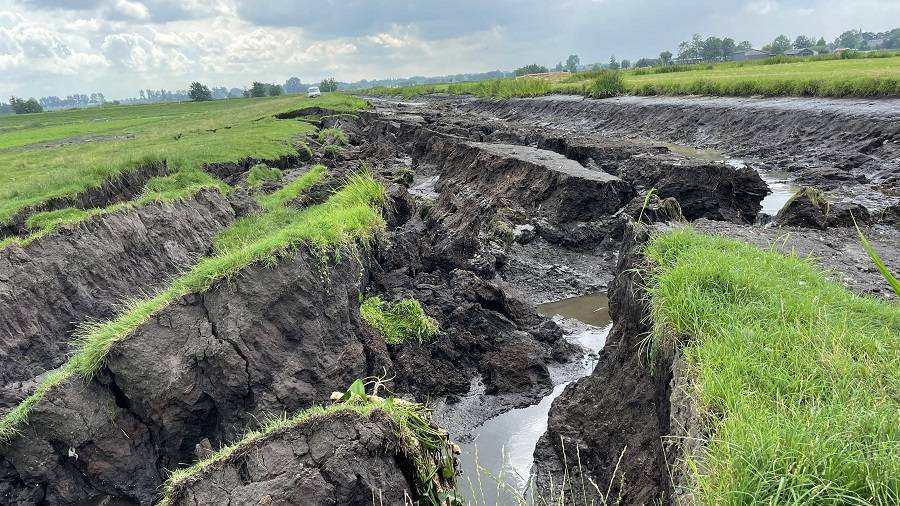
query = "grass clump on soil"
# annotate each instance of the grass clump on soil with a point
(181, 184)
(261, 173)
(398, 322)
(798, 376)
(332, 136)
(350, 218)
(293, 189)
(427, 445)
(608, 83)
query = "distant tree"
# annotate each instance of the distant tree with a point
(235, 93)
(665, 57)
(613, 63)
(892, 40)
(803, 42)
(851, 39)
(572, 63)
(293, 85)
(258, 89)
(778, 46)
(728, 47)
(246, 93)
(219, 92)
(6, 108)
(328, 85)
(275, 90)
(559, 67)
(644, 62)
(821, 42)
(711, 49)
(626, 63)
(20, 106)
(533, 68)
(744, 45)
(200, 92)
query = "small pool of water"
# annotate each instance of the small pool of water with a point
(496, 464)
(779, 185)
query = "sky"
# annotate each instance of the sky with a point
(60, 47)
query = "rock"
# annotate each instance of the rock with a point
(807, 208)
(523, 234)
(843, 214)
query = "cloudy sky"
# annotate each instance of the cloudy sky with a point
(59, 47)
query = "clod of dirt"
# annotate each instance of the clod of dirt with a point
(340, 458)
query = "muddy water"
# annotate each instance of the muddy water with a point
(780, 187)
(501, 449)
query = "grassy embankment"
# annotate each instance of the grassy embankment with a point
(62, 153)
(350, 217)
(867, 75)
(798, 377)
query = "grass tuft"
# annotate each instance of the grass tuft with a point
(294, 189)
(261, 173)
(608, 83)
(398, 322)
(333, 136)
(798, 376)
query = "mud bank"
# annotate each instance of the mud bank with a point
(849, 147)
(88, 271)
(272, 341)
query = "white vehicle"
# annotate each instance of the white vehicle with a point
(313, 92)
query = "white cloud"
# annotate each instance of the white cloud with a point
(132, 10)
(761, 7)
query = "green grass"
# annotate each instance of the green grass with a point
(293, 189)
(877, 75)
(181, 184)
(261, 173)
(398, 322)
(333, 136)
(422, 442)
(350, 218)
(46, 155)
(798, 377)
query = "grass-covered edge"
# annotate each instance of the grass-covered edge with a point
(797, 376)
(180, 185)
(350, 218)
(427, 445)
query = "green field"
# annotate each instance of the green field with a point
(872, 75)
(62, 153)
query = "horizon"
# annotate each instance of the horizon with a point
(118, 47)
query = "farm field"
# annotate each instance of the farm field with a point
(852, 77)
(62, 153)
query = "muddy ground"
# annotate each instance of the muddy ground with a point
(493, 207)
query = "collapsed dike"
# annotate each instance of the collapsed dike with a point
(489, 211)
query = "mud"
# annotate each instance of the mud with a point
(86, 272)
(492, 208)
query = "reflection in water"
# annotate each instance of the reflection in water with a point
(503, 449)
(779, 185)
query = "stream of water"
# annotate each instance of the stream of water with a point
(501, 449)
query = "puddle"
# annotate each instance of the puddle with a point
(779, 184)
(424, 187)
(501, 450)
